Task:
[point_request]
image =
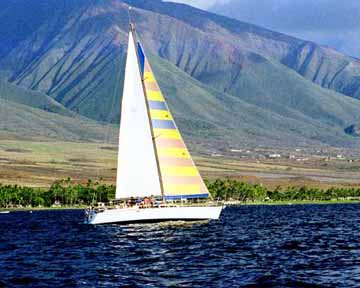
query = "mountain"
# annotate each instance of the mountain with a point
(322, 65)
(313, 117)
(18, 121)
(14, 93)
(64, 54)
(228, 82)
(328, 22)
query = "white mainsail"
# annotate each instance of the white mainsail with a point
(137, 173)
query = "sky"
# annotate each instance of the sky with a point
(202, 4)
(335, 23)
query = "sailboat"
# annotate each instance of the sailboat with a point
(153, 160)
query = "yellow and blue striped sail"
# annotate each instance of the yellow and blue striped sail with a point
(180, 177)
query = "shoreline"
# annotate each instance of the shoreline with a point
(229, 203)
(288, 202)
(27, 209)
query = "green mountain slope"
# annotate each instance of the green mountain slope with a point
(314, 117)
(24, 122)
(9, 91)
(228, 82)
(322, 65)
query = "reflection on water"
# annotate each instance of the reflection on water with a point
(257, 246)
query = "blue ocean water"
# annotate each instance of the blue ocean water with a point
(251, 246)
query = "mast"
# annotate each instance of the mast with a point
(170, 168)
(136, 44)
(136, 157)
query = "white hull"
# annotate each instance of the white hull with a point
(154, 214)
(4, 212)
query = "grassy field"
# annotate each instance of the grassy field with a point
(284, 173)
(40, 163)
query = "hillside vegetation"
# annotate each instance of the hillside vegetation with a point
(64, 192)
(23, 122)
(17, 94)
(228, 82)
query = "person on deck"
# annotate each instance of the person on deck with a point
(152, 200)
(131, 202)
(147, 202)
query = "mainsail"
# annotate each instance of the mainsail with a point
(176, 173)
(137, 173)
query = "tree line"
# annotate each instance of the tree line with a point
(67, 193)
(62, 192)
(229, 189)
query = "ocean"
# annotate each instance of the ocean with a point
(251, 246)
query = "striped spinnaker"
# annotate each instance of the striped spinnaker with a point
(179, 175)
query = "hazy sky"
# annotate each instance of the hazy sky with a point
(203, 4)
(335, 23)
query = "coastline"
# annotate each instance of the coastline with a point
(228, 203)
(27, 209)
(296, 202)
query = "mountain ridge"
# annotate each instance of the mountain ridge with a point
(76, 58)
(347, 68)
